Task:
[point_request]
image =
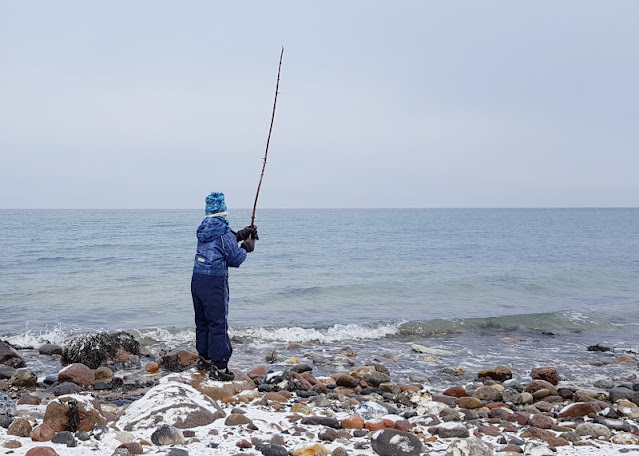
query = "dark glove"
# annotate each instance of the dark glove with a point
(248, 245)
(245, 233)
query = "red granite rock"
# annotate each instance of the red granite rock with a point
(152, 367)
(548, 374)
(42, 433)
(353, 422)
(456, 391)
(541, 421)
(577, 410)
(41, 451)
(77, 373)
(259, 371)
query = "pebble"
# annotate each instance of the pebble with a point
(451, 430)
(604, 383)
(65, 438)
(272, 450)
(167, 435)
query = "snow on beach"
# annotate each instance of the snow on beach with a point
(174, 401)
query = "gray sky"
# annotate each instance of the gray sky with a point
(153, 104)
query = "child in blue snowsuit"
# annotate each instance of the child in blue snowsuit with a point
(217, 250)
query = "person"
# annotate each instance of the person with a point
(217, 250)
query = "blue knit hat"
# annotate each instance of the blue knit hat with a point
(215, 203)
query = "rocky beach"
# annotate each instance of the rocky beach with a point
(108, 395)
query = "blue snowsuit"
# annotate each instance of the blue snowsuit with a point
(217, 250)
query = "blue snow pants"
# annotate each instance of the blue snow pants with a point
(211, 304)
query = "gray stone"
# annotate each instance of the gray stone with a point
(7, 405)
(590, 396)
(487, 393)
(66, 388)
(23, 378)
(121, 452)
(321, 421)
(375, 378)
(447, 432)
(391, 442)
(593, 430)
(6, 371)
(571, 436)
(299, 368)
(511, 395)
(272, 450)
(99, 431)
(167, 435)
(604, 383)
(536, 449)
(177, 452)
(620, 393)
(611, 423)
(50, 349)
(514, 384)
(5, 421)
(82, 436)
(469, 447)
(65, 438)
(328, 435)
(10, 357)
(339, 451)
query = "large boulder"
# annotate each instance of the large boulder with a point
(172, 403)
(94, 350)
(10, 357)
(74, 413)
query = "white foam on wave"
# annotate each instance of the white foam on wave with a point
(335, 333)
(34, 339)
(148, 336)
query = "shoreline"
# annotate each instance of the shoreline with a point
(491, 408)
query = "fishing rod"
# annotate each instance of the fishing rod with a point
(268, 140)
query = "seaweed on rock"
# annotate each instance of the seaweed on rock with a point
(94, 350)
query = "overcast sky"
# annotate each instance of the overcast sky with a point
(153, 104)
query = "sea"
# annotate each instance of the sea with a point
(436, 294)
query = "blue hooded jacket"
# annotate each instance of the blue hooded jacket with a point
(217, 248)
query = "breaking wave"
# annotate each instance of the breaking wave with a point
(548, 323)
